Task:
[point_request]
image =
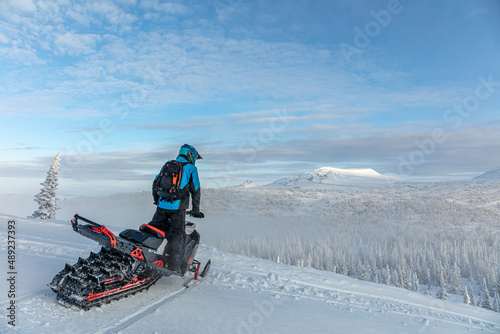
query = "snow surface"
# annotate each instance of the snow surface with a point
(334, 176)
(241, 295)
(490, 175)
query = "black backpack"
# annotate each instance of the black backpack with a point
(167, 184)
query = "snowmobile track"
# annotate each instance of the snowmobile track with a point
(141, 313)
(76, 284)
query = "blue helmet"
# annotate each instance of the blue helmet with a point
(190, 153)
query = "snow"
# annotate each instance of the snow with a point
(241, 295)
(490, 175)
(249, 294)
(248, 184)
(326, 176)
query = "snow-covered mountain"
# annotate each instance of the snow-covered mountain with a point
(491, 175)
(248, 184)
(334, 176)
(241, 295)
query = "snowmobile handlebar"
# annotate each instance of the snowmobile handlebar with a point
(78, 217)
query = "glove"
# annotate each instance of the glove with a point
(197, 214)
(156, 200)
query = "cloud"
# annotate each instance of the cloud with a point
(76, 15)
(199, 65)
(22, 7)
(165, 7)
(20, 53)
(218, 77)
(76, 44)
(4, 39)
(114, 14)
(472, 149)
(464, 154)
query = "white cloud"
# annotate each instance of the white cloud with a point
(4, 39)
(165, 7)
(127, 2)
(22, 7)
(76, 15)
(103, 7)
(76, 44)
(19, 52)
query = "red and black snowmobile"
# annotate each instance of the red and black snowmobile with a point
(126, 264)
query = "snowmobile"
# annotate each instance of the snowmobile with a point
(128, 263)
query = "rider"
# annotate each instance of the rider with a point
(170, 215)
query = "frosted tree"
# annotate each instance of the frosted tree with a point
(472, 301)
(387, 276)
(415, 286)
(442, 294)
(457, 288)
(486, 297)
(428, 278)
(496, 303)
(46, 199)
(466, 296)
(480, 301)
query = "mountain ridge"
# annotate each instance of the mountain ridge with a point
(489, 175)
(329, 176)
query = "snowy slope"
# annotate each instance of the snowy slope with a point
(242, 295)
(326, 176)
(491, 175)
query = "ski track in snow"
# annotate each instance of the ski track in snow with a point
(256, 277)
(141, 313)
(329, 292)
(38, 310)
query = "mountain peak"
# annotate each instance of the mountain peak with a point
(491, 175)
(248, 184)
(350, 171)
(333, 176)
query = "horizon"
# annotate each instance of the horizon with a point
(262, 90)
(273, 183)
(22, 204)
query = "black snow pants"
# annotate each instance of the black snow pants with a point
(173, 223)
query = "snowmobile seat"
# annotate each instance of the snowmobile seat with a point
(152, 230)
(144, 238)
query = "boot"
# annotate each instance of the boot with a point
(176, 253)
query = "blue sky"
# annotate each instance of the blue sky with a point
(264, 89)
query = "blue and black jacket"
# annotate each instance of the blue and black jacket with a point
(190, 183)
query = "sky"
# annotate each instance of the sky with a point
(263, 90)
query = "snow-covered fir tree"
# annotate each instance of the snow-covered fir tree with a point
(46, 199)
(415, 283)
(471, 295)
(466, 296)
(442, 294)
(456, 288)
(496, 303)
(485, 296)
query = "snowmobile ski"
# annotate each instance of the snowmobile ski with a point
(127, 264)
